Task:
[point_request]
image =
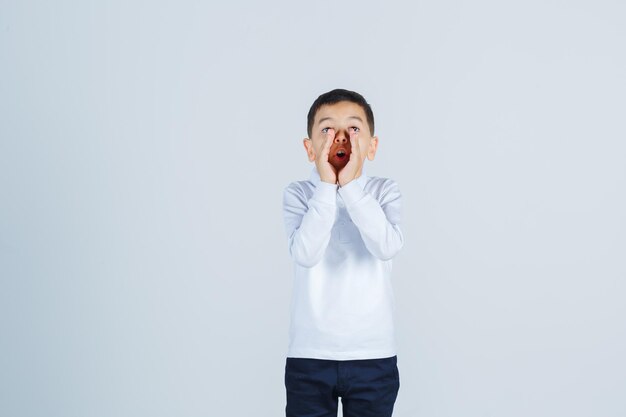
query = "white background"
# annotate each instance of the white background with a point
(144, 148)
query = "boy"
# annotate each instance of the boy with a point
(343, 230)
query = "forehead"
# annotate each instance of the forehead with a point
(342, 110)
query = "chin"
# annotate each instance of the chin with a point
(339, 167)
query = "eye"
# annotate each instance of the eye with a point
(325, 130)
(356, 129)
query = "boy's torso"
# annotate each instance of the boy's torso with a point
(342, 308)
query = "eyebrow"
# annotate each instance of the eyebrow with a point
(330, 118)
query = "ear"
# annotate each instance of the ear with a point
(308, 145)
(371, 149)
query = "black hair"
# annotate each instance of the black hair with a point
(335, 96)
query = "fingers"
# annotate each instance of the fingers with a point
(330, 135)
(354, 144)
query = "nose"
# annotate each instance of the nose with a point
(341, 137)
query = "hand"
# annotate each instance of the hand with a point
(348, 173)
(327, 172)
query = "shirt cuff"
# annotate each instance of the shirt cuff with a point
(325, 192)
(351, 192)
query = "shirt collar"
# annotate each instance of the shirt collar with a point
(362, 180)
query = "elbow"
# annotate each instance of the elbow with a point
(306, 251)
(388, 254)
(307, 263)
(304, 258)
(391, 249)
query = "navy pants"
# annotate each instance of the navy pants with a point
(367, 387)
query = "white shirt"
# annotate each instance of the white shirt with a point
(341, 240)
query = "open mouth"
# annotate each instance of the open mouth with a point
(341, 153)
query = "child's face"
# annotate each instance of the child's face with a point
(342, 117)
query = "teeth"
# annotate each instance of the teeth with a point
(341, 153)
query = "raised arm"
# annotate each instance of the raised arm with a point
(308, 224)
(378, 222)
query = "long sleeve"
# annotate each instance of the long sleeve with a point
(378, 222)
(308, 224)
